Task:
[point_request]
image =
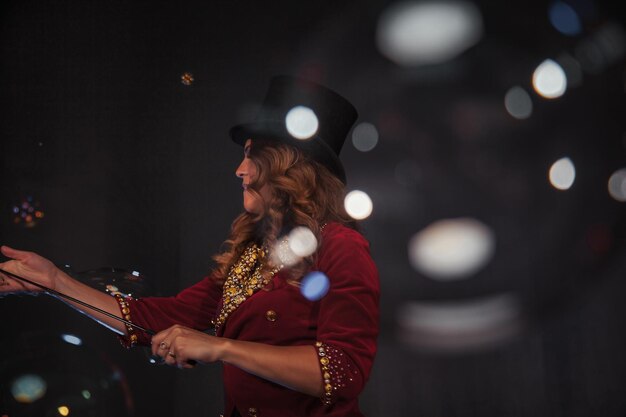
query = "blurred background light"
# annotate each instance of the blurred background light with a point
(428, 32)
(302, 241)
(86, 381)
(470, 324)
(446, 148)
(549, 79)
(28, 388)
(358, 204)
(564, 18)
(63, 410)
(590, 56)
(617, 185)
(71, 339)
(451, 249)
(27, 212)
(562, 174)
(602, 48)
(518, 103)
(314, 285)
(282, 254)
(301, 122)
(365, 137)
(572, 68)
(187, 78)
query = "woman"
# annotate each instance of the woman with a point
(282, 354)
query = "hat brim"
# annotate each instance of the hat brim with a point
(275, 130)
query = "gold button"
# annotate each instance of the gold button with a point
(271, 315)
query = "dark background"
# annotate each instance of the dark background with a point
(133, 169)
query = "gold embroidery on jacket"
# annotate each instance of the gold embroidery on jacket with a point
(244, 279)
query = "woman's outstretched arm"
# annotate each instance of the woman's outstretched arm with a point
(40, 270)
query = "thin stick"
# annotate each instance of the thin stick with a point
(82, 303)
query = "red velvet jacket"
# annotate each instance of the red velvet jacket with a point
(343, 325)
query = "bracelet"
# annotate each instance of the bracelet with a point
(125, 309)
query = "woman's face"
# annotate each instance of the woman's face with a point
(247, 171)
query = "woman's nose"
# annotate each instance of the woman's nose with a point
(241, 169)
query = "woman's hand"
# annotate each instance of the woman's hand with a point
(28, 265)
(295, 367)
(179, 345)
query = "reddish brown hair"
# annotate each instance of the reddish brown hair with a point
(303, 193)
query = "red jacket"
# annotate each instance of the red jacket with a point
(343, 325)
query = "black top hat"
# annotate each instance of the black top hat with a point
(303, 114)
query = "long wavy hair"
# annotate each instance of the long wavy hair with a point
(303, 193)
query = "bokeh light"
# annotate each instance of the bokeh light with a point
(549, 79)
(28, 388)
(27, 212)
(564, 18)
(314, 285)
(460, 325)
(281, 253)
(86, 394)
(358, 204)
(302, 241)
(71, 339)
(365, 137)
(428, 32)
(63, 410)
(573, 69)
(617, 185)
(290, 249)
(562, 174)
(452, 249)
(187, 78)
(607, 45)
(518, 103)
(301, 122)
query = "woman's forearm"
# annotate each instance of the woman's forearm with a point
(76, 289)
(294, 367)
(44, 273)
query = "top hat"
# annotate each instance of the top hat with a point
(303, 114)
